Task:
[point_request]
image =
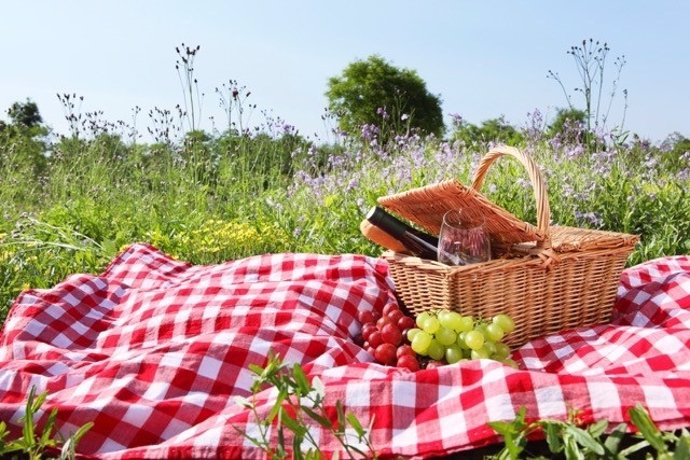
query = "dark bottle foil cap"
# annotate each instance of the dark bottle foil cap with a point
(385, 221)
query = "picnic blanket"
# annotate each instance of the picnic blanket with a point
(154, 350)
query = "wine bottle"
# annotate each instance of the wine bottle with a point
(415, 242)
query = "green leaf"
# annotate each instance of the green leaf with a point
(28, 428)
(585, 439)
(255, 368)
(598, 428)
(512, 438)
(277, 406)
(318, 418)
(553, 438)
(297, 448)
(503, 428)
(341, 416)
(301, 379)
(613, 440)
(649, 430)
(632, 449)
(355, 424)
(69, 447)
(682, 451)
(572, 451)
(293, 425)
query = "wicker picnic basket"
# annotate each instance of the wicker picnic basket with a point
(547, 278)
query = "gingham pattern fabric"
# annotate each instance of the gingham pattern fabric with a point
(154, 350)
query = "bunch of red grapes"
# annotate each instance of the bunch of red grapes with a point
(385, 337)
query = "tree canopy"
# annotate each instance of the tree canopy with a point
(374, 92)
(25, 114)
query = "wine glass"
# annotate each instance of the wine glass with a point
(463, 238)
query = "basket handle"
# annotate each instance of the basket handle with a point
(540, 195)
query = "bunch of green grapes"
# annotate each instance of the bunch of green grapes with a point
(446, 336)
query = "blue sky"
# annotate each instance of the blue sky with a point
(484, 58)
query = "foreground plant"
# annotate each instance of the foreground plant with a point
(572, 442)
(33, 445)
(297, 402)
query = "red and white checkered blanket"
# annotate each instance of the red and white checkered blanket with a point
(153, 351)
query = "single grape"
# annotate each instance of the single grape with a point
(404, 350)
(490, 347)
(453, 354)
(502, 351)
(367, 330)
(446, 336)
(420, 343)
(382, 321)
(461, 341)
(390, 307)
(443, 317)
(436, 350)
(494, 332)
(474, 339)
(481, 328)
(431, 325)
(480, 353)
(365, 316)
(423, 316)
(453, 320)
(406, 323)
(375, 339)
(466, 324)
(391, 334)
(505, 322)
(395, 316)
(408, 362)
(411, 333)
(385, 353)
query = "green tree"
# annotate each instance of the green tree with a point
(569, 125)
(25, 114)
(374, 92)
(492, 130)
(22, 141)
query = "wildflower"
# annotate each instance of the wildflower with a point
(524, 183)
(650, 162)
(370, 132)
(591, 218)
(456, 120)
(574, 152)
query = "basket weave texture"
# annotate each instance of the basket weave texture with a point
(547, 278)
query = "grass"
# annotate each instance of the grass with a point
(208, 199)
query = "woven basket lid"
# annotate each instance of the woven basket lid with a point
(425, 206)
